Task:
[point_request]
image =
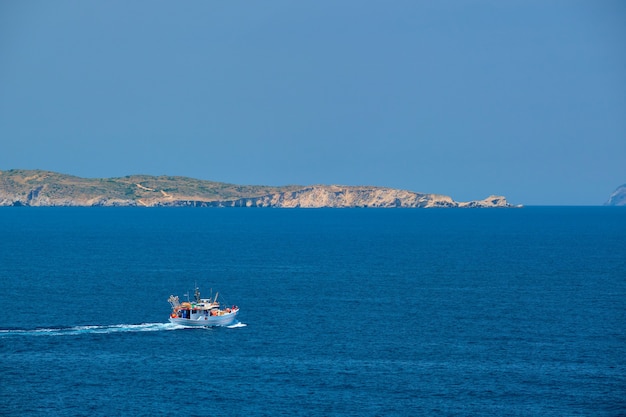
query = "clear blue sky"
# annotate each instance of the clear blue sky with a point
(525, 99)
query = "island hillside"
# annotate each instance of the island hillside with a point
(45, 188)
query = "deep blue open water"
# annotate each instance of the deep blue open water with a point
(356, 312)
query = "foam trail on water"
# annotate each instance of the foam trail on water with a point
(236, 325)
(79, 330)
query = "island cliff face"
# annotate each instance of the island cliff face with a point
(320, 196)
(44, 188)
(618, 198)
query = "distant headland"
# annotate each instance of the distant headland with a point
(618, 198)
(45, 188)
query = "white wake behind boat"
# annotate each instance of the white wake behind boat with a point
(203, 312)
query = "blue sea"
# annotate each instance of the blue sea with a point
(344, 312)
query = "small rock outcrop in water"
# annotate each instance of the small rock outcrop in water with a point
(618, 198)
(45, 188)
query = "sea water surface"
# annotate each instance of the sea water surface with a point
(349, 312)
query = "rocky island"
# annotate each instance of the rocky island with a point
(45, 188)
(618, 198)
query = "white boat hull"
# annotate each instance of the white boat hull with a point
(206, 321)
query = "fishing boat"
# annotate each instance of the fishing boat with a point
(202, 312)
